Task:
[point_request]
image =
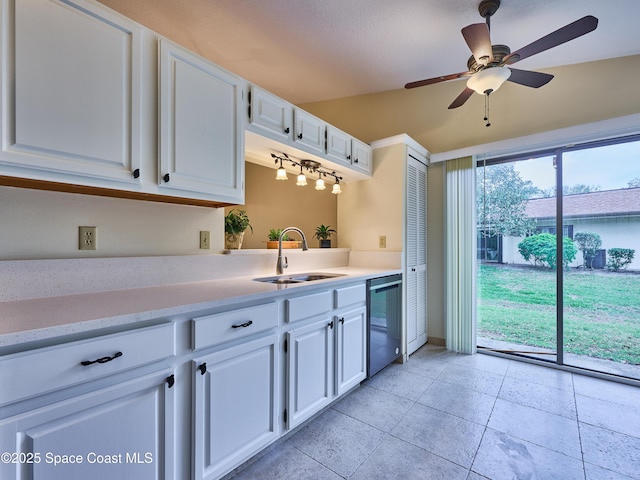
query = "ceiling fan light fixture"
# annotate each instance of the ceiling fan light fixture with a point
(488, 80)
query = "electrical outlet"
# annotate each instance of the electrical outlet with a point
(205, 239)
(382, 241)
(87, 238)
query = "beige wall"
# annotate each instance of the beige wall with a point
(279, 204)
(382, 198)
(578, 94)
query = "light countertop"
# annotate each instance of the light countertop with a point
(43, 318)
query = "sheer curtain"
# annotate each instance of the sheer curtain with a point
(460, 252)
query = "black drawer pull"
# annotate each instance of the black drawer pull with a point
(171, 380)
(243, 325)
(330, 325)
(203, 368)
(101, 360)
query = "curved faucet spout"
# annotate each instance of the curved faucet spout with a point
(281, 265)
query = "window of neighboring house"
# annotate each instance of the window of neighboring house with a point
(567, 230)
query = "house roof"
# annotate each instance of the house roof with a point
(609, 202)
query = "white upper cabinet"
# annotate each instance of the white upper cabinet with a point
(71, 87)
(338, 146)
(361, 156)
(309, 131)
(270, 115)
(201, 138)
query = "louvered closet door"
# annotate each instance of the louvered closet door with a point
(416, 255)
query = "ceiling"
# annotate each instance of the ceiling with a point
(314, 50)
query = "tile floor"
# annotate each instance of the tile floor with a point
(468, 417)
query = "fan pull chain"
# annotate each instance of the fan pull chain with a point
(486, 109)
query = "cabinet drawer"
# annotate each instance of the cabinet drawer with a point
(32, 373)
(308, 306)
(223, 327)
(350, 295)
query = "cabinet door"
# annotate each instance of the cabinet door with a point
(236, 405)
(351, 353)
(126, 431)
(338, 146)
(201, 139)
(71, 85)
(271, 114)
(361, 156)
(309, 132)
(309, 370)
(416, 254)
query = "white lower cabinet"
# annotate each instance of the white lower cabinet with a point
(124, 431)
(235, 406)
(351, 350)
(309, 370)
(327, 357)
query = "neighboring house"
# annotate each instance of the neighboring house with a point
(612, 214)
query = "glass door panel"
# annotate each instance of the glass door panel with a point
(601, 286)
(516, 214)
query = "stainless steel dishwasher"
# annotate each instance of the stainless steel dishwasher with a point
(384, 322)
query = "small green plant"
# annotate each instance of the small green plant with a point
(323, 232)
(588, 243)
(619, 258)
(236, 221)
(541, 249)
(274, 235)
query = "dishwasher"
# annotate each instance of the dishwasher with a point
(384, 322)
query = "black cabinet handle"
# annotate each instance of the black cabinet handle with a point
(171, 380)
(300, 136)
(342, 320)
(355, 160)
(287, 130)
(348, 157)
(330, 325)
(84, 363)
(166, 178)
(203, 368)
(136, 173)
(243, 325)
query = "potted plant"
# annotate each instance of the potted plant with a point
(274, 235)
(235, 223)
(323, 232)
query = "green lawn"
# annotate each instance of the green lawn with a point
(601, 310)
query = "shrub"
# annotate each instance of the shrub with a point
(588, 243)
(541, 249)
(619, 258)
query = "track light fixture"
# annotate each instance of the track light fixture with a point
(311, 166)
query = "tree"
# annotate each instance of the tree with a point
(501, 200)
(588, 243)
(569, 190)
(634, 182)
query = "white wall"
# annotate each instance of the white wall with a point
(614, 232)
(38, 224)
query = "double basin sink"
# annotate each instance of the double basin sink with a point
(298, 278)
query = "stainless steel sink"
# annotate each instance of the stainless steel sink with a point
(298, 278)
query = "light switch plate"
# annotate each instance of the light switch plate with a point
(382, 241)
(205, 239)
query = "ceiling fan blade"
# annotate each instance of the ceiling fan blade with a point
(529, 78)
(460, 99)
(562, 35)
(479, 42)
(431, 81)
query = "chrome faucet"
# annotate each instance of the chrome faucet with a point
(280, 266)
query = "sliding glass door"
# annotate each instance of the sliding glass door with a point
(559, 256)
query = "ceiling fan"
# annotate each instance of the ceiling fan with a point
(487, 66)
